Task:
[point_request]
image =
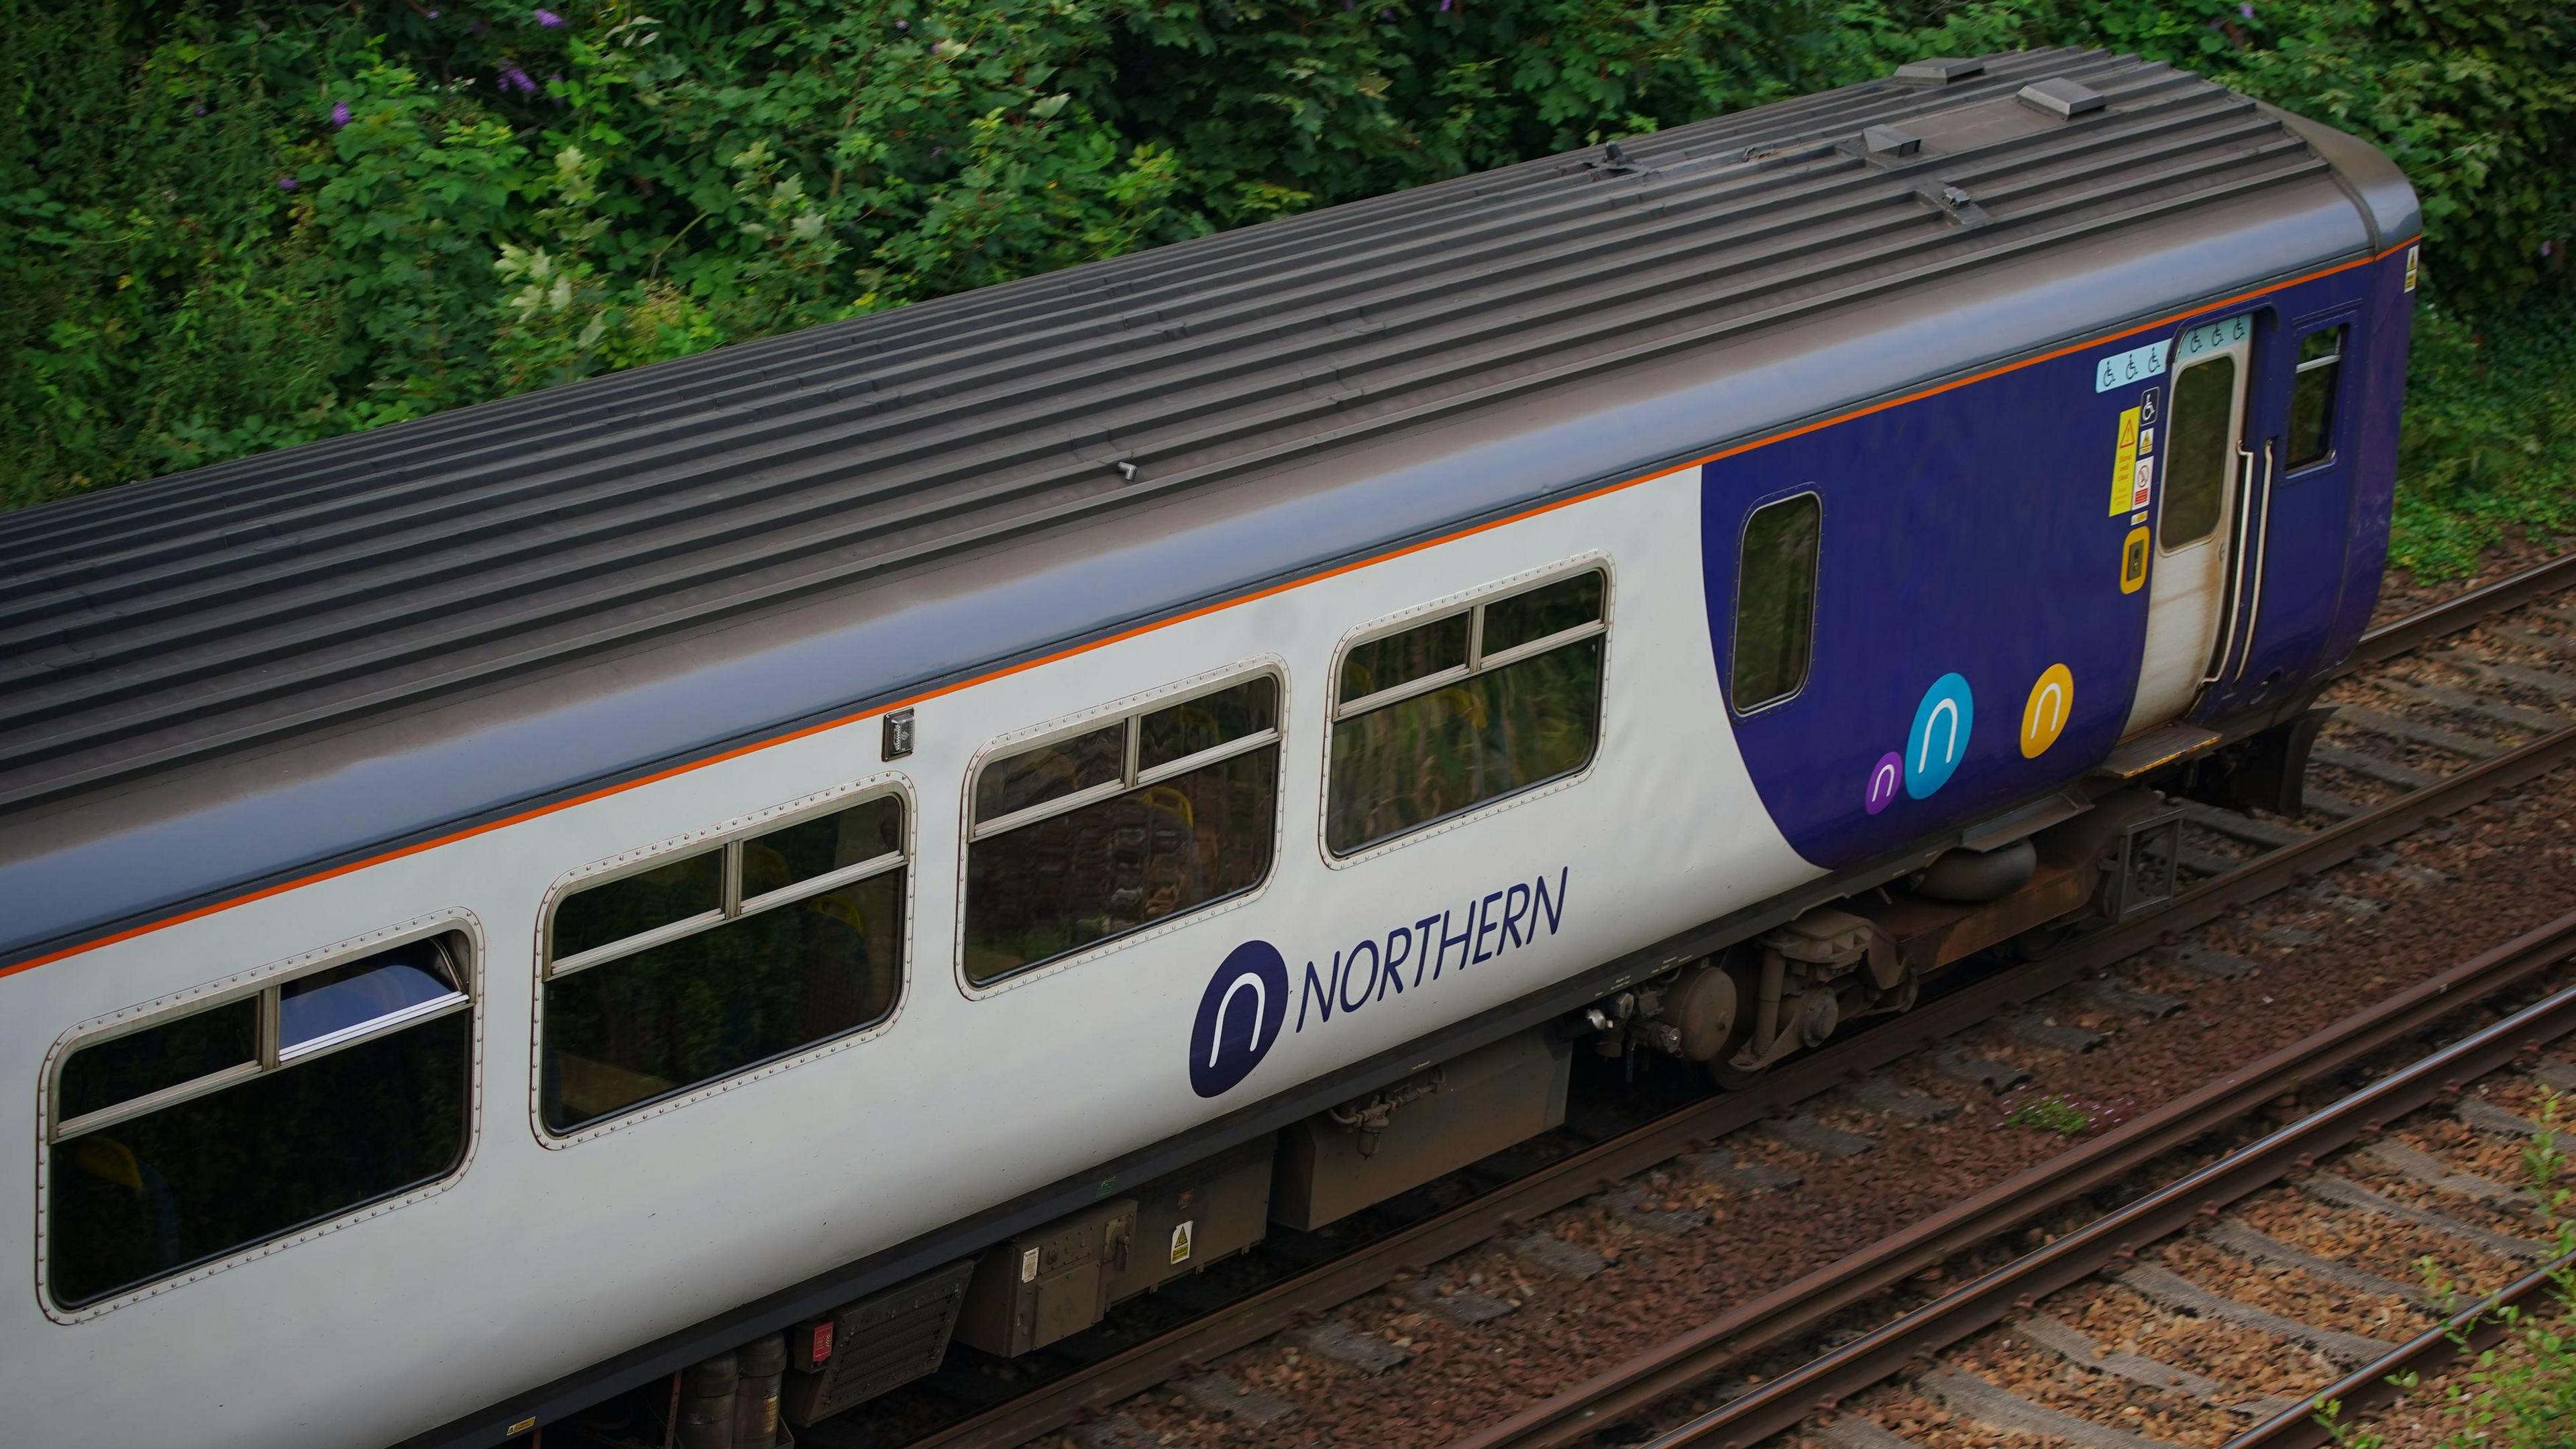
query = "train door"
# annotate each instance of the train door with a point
(2196, 518)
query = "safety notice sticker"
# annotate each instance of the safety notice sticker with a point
(2127, 468)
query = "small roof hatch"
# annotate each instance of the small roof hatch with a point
(1940, 70)
(1890, 142)
(2062, 98)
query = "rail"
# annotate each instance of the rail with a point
(1785, 1401)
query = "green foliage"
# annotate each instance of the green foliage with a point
(2521, 1393)
(2052, 1114)
(230, 225)
(2490, 433)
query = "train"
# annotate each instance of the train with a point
(730, 883)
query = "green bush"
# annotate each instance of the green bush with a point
(2490, 432)
(230, 225)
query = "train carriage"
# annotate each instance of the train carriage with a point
(909, 833)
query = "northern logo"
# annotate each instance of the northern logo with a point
(1244, 1010)
(1240, 1015)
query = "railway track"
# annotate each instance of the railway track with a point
(2418, 745)
(1788, 1401)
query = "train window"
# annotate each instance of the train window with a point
(1180, 817)
(1450, 715)
(2201, 454)
(1775, 601)
(209, 1132)
(804, 944)
(2312, 397)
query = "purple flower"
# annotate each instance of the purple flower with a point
(903, 25)
(549, 19)
(287, 183)
(2245, 9)
(340, 113)
(515, 79)
(433, 15)
(1444, 7)
(201, 109)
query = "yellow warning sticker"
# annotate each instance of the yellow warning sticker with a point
(2133, 562)
(2124, 464)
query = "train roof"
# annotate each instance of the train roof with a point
(250, 608)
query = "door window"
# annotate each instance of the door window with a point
(2312, 397)
(1775, 601)
(2200, 451)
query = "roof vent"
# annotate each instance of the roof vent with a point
(1940, 70)
(1614, 162)
(2062, 98)
(1889, 142)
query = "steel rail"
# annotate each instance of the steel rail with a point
(2465, 611)
(2473, 1328)
(1095, 1387)
(1784, 1402)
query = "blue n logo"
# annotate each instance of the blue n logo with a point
(1240, 1014)
(1939, 738)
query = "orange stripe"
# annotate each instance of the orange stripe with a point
(1568, 501)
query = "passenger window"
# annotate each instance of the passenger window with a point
(2197, 468)
(1135, 822)
(1775, 601)
(206, 1133)
(1465, 709)
(2312, 397)
(647, 994)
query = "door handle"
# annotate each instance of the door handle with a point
(2235, 567)
(2262, 542)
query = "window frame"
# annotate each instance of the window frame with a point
(1735, 604)
(1471, 602)
(2347, 323)
(728, 838)
(467, 962)
(1129, 712)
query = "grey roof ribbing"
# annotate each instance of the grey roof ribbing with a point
(169, 620)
